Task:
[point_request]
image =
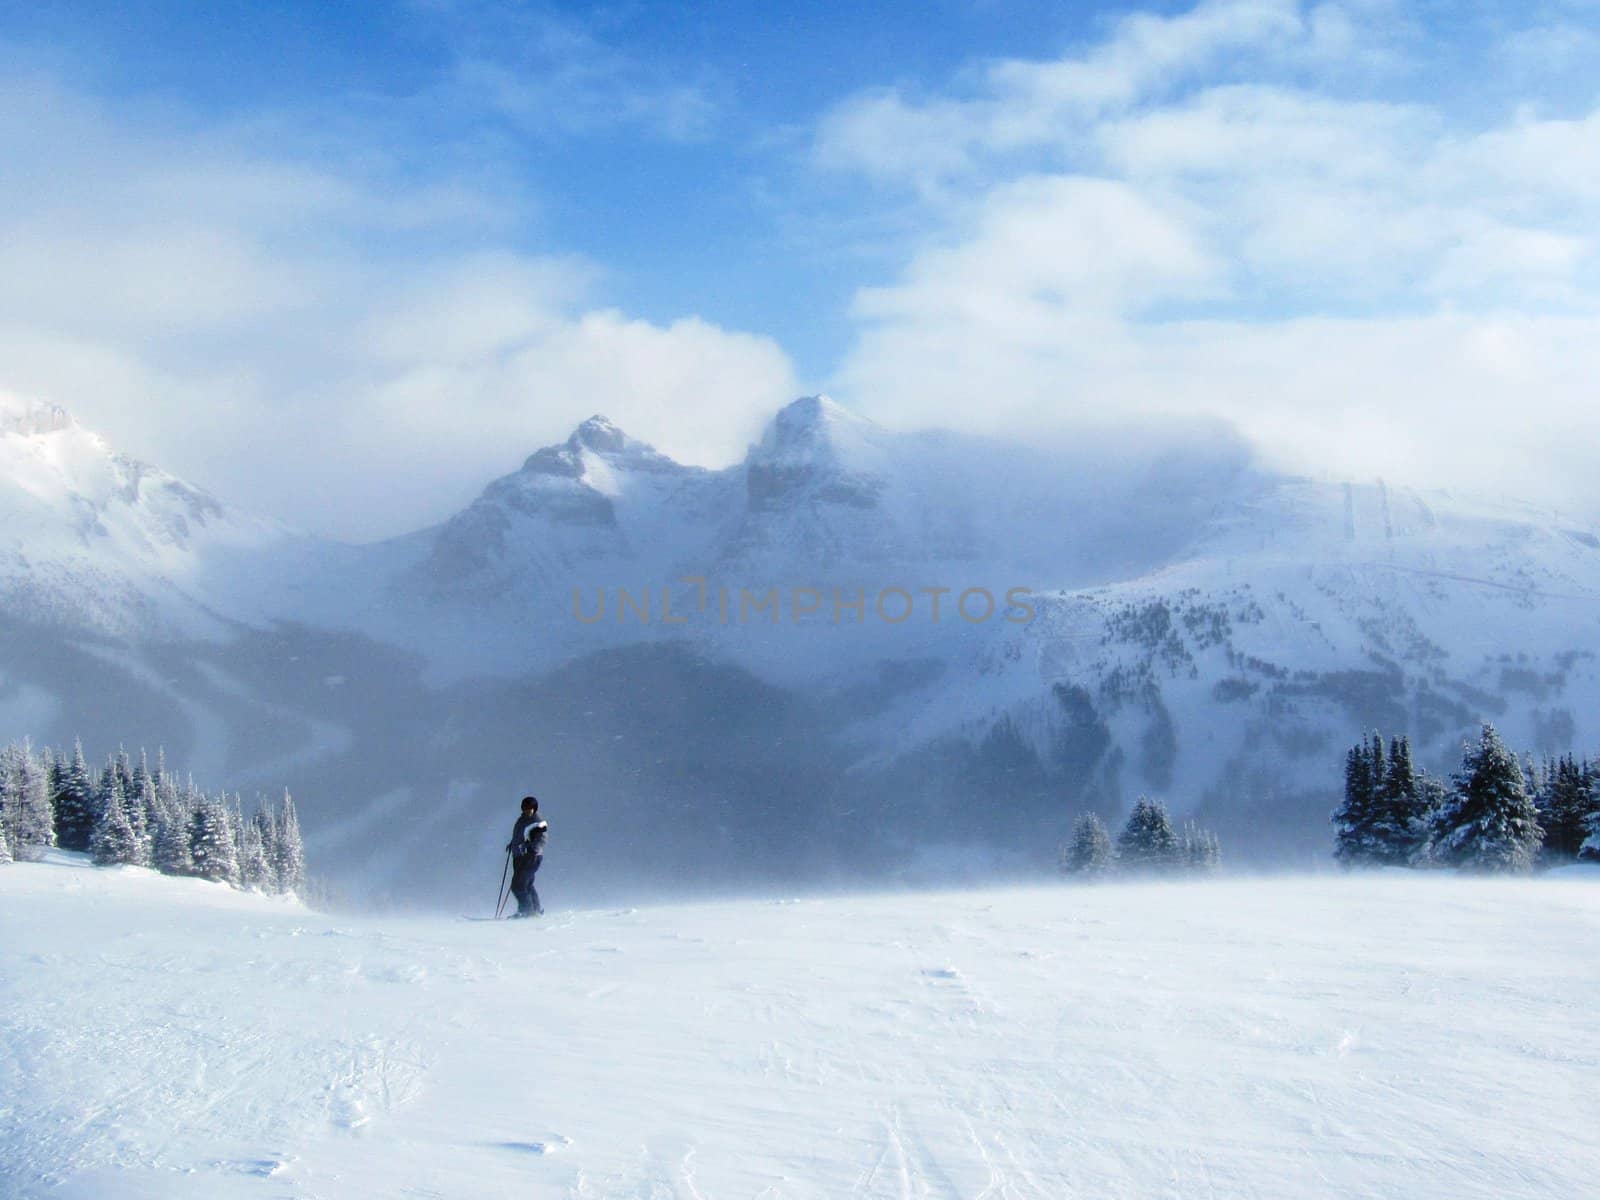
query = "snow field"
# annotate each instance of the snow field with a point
(1392, 1035)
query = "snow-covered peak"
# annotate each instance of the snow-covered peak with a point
(600, 495)
(595, 450)
(813, 427)
(28, 417)
(815, 413)
(815, 446)
(601, 435)
(92, 537)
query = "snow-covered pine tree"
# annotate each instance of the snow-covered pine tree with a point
(10, 784)
(169, 851)
(114, 842)
(133, 804)
(1088, 854)
(38, 803)
(25, 797)
(50, 766)
(1379, 761)
(1147, 842)
(255, 872)
(1355, 839)
(1566, 803)
(142, 776)
(76, 810)
(1401, 823)
(1489, 822)
(1590, 850)
(211, 843)
(169, 797)
(289, 859)
(1432, 795)
(5, 841)
(1534, 777)
(1202, 849)
(149, 798)
(266, 820)
(124, 770)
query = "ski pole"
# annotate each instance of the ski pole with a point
(500, 892)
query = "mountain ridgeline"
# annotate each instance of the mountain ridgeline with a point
(859, 654)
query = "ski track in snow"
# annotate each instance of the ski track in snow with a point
(1396, 1035)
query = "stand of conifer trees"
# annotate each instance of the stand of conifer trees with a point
(1495, 814)
(131, 813)
(1147, 845)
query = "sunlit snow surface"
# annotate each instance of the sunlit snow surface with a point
(1401, 1035)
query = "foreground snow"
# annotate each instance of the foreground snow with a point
(1391, 1036)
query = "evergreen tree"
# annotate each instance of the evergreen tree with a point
(1489, 822)
(211, 843)
(1566, 803)
(254, 871)
(1432, 795)
(1380, 763)
(172, 840)
(1356, 838)
(1202, 849)
(114, 842)
(133, 808)
(1403, 824)
(266, 821)
(1147, 842)
(169, 852)
(25, 799)
(150, 814)
(76, 810)
(289, 858)
(51, 768)
(1381, 820)
(1590, 849)
(5, 841)
(124, 770)
(1088, 855)
(1534, 777)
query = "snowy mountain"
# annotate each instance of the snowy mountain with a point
(1201, 629)
(1388, 1035)
(96, 541)
(824, 500)
(601, 497)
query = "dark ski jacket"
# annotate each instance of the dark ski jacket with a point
(527, 839)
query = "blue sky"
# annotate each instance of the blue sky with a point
(444, 232)
(661, 140)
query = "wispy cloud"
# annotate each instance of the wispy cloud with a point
(549, 74)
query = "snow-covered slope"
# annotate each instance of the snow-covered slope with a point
(93, 540)
(1333, 1037)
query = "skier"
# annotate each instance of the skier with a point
(527, 852)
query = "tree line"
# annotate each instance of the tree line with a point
(1496, 814)
(1147, 845)
(130, 813)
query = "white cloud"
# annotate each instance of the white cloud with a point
(1052, 242)
(1019, 106)
(322, 340)
(1192, 218)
